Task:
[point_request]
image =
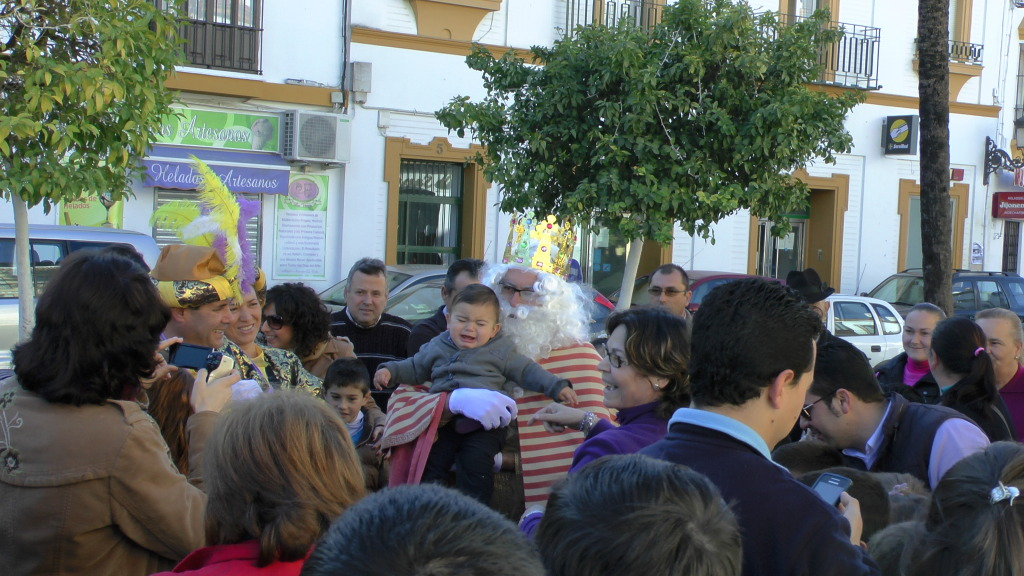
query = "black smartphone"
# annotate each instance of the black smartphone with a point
(190, 356)
(830, 486)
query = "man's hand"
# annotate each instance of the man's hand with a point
(489, 408)
(382, 378)
(849, 507)
(557, 418)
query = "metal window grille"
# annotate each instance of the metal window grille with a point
(1019, 108)
(165, 236)
(222, 34)
(1011, 246)
(429, 212)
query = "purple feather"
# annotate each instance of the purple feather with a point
(247, 210)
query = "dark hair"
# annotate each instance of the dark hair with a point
(959, 344)
(369, 267)
(669, 269)
(806, 456)
(841, 365)
(744, 334)
(967, 533)
(126, 251)
(278, 469)
(600, 521)
(423, 530)
(888, 545)
(97, 328)
(471, 266)
(478, 295)
(657, 344)
(302, 309)
(874, 500)
(927, 307)
(345, 372)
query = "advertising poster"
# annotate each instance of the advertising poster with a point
(300, 230)
(99, 211)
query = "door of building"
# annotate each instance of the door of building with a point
(776, 257)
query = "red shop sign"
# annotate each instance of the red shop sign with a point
(1008, 205)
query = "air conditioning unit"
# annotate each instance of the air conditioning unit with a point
(316, 137)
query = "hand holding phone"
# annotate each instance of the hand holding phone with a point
(830, 486)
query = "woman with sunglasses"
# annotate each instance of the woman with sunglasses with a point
(644, 370)
(295, 319)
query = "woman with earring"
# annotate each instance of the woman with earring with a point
(1004, 343)
(644, 370)
(965, 375)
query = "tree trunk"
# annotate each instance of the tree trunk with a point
(933, 89)
(26, 290)
(629, 274)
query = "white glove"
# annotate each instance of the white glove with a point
(489, 408)
(245, 389)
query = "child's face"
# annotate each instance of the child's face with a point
(347, 400)
(472, 325)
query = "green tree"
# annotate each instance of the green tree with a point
(688, 121)
(933, 90)
(81, 96)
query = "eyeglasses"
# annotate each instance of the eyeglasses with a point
(525, 294)
(806, 410)
(614, 359)
(670, 292)
(274, 321)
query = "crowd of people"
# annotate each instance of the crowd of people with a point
(683, 443)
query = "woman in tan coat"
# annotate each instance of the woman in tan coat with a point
(86, 484)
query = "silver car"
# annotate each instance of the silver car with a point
(872, 325)
(48, 246)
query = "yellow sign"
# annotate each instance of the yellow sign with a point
(98, 211)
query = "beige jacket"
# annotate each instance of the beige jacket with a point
(91, 489)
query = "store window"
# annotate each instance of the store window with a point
(165, 236)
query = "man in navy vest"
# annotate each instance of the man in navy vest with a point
(846, 408)
(752, 362)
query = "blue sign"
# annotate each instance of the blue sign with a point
(171, 167)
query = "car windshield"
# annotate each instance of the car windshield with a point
(418, 302)
(900, 290)
(336, 294)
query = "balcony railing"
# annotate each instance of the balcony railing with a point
(965, 53)
(852, 61)
(962, 52)
(223, 46)
(645, 13)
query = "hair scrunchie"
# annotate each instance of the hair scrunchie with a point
(979, 350)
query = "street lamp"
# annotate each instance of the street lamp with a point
(996, 159)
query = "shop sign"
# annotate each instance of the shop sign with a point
(899, 135)
(1008, 205)
(214, 129)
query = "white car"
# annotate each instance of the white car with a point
(870, 324)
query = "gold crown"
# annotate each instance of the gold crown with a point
(540, 243)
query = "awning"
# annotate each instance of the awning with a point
(171, 167)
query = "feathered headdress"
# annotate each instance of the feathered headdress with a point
(217, 221)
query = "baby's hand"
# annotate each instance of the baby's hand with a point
(568, 396)
(381, 378)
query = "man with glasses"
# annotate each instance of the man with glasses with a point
(846, 407)
(670, 289)
(752, 362)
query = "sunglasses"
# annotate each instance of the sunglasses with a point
(274, 321)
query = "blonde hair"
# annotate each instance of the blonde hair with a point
(1004, 314)
(279, 469)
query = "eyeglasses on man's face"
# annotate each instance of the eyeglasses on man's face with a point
(525, 294)
(806, 410)
(613, 358)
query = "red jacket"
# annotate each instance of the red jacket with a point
(232, 559)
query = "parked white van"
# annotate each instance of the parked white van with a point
(48, 246)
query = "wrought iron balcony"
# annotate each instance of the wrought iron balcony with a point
(645, 13)
(965, 52)
(223, 46)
